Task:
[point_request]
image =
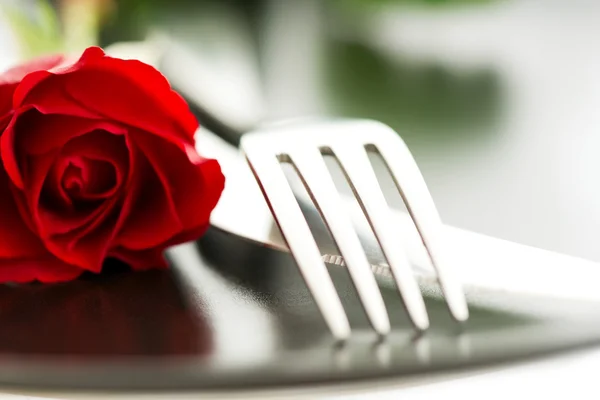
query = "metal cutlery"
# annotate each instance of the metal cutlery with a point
(303, 146)
(298, 235)
(486, 263)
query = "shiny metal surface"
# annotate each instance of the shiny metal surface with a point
(297, 235)
(508, 266)
(315, 175)
(362, 179)
(301, 145)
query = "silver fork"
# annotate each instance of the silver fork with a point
(303, 146)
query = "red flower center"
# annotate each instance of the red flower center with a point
(85, 178)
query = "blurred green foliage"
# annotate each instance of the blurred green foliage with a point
(424, 101)
(37, 29)
(133, 19)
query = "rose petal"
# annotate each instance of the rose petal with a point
(44, 133)
(195, 186)
(85, 178)
(86, 251)
(151, 215)
(55, 223)
(154, 85)
(43, 269)
(87, 245)
(49, 223)
(93, 249)
(100, 147)
(37, 168)
(22, 206)
(122, 90)
(6, 93)
(4, 121)
(33, 79)
(34, 133)
(50, 97)
(52, 190)
(140, 260)
(18, 240)
(115, 97)
(212, 180)
(8, 150)
(10, 78)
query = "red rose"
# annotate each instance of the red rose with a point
(98, 161)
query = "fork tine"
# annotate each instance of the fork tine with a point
(360, 175)
(295, 230)
(312, 170)
(420, 205)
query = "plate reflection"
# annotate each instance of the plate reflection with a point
(114, 314)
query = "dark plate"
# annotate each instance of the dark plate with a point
(251, 322)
